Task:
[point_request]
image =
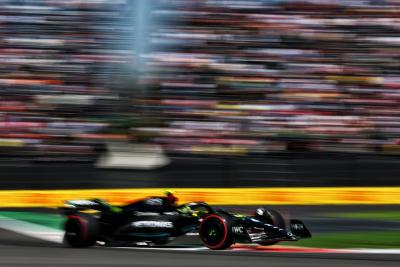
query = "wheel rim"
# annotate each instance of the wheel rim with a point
(213, 232)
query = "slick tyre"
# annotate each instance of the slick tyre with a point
(276, 219)
(216, 231)
(81, 230)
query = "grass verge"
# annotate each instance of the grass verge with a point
(370, 215)
(49, 220)
(383, 239)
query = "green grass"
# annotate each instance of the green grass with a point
(49, 220)
(371, 215)
(384, 239)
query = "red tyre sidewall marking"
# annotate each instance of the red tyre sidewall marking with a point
(225, 229)
(82, 224)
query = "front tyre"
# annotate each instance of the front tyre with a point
(216, 231)
(81, 230)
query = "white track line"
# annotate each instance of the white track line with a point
(371, 251)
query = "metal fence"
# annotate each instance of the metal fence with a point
(279, 170)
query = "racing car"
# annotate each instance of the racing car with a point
(153, 221)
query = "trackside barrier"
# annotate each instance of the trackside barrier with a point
(214, 196)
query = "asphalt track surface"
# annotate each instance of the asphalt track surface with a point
(18, 250)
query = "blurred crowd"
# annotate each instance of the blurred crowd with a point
(225, 77)
(60, 61)
(259, 76)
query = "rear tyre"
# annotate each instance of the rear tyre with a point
(272, 217)
(81, 230)
(216, 231)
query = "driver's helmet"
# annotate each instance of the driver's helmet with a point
(261, 212)
(171, 198)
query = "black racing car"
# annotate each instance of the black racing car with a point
(154, 222)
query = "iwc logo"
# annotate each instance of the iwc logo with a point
(238, 229)
(297, 226)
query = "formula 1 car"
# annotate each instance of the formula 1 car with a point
(154, 222)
